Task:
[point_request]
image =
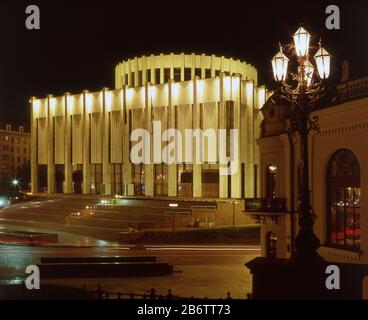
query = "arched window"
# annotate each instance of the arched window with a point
(271, 245)
(271, 176)
(343, 200)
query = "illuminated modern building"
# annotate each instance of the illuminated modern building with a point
(82, 144)
(15, 153)
(338, 178)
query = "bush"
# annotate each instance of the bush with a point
(242, 235)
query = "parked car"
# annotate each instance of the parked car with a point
(4, 201)
(8, 198)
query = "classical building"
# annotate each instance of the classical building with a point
(82, 142)
(338, 178)
(15, 153)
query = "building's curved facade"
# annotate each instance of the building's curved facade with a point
(158, 69)
(81, 142)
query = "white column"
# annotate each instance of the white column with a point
(203, 69)
(68, 169)
(148, 168)
(136, 72)
(197, 168)
(86, 148)
(171, 66)
(123, 74)
(34, 148)
(182, 67)
(162, 75)
(144, 69)
(106, 166)
(126, 151)
(153, 70)
(50, 149)
(223, 180)
(118, 76)
(172, 168)
(236, 177)
(249, 162)
(193, 59)
(213, 69)
(129, 70)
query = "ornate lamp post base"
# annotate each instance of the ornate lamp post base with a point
(307, 243)
(275, 279)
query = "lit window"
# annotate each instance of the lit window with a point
(148, 75)
(140, 78)
(187, 74)
(157, 76)
(166, 74)
(343, 200)
(177, 74)
(132, 79)
(271, 181)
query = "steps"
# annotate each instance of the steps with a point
(97, 259)
(102, 267)
(25, 237)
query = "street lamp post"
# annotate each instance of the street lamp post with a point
(15, 184)
(303, 276)
(303, 90)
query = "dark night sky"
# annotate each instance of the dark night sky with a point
(80, 41)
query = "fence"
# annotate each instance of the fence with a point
(353, 89)
(152, 294)
(265, 205)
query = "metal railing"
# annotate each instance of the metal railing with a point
(151, 294)
(265, 205)
(352, 89)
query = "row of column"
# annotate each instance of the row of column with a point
(243, 120)
(131, 67)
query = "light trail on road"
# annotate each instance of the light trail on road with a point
(200, 249)
(97, 250)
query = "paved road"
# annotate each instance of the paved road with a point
(209, 271)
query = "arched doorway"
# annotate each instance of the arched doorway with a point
(343, 194)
